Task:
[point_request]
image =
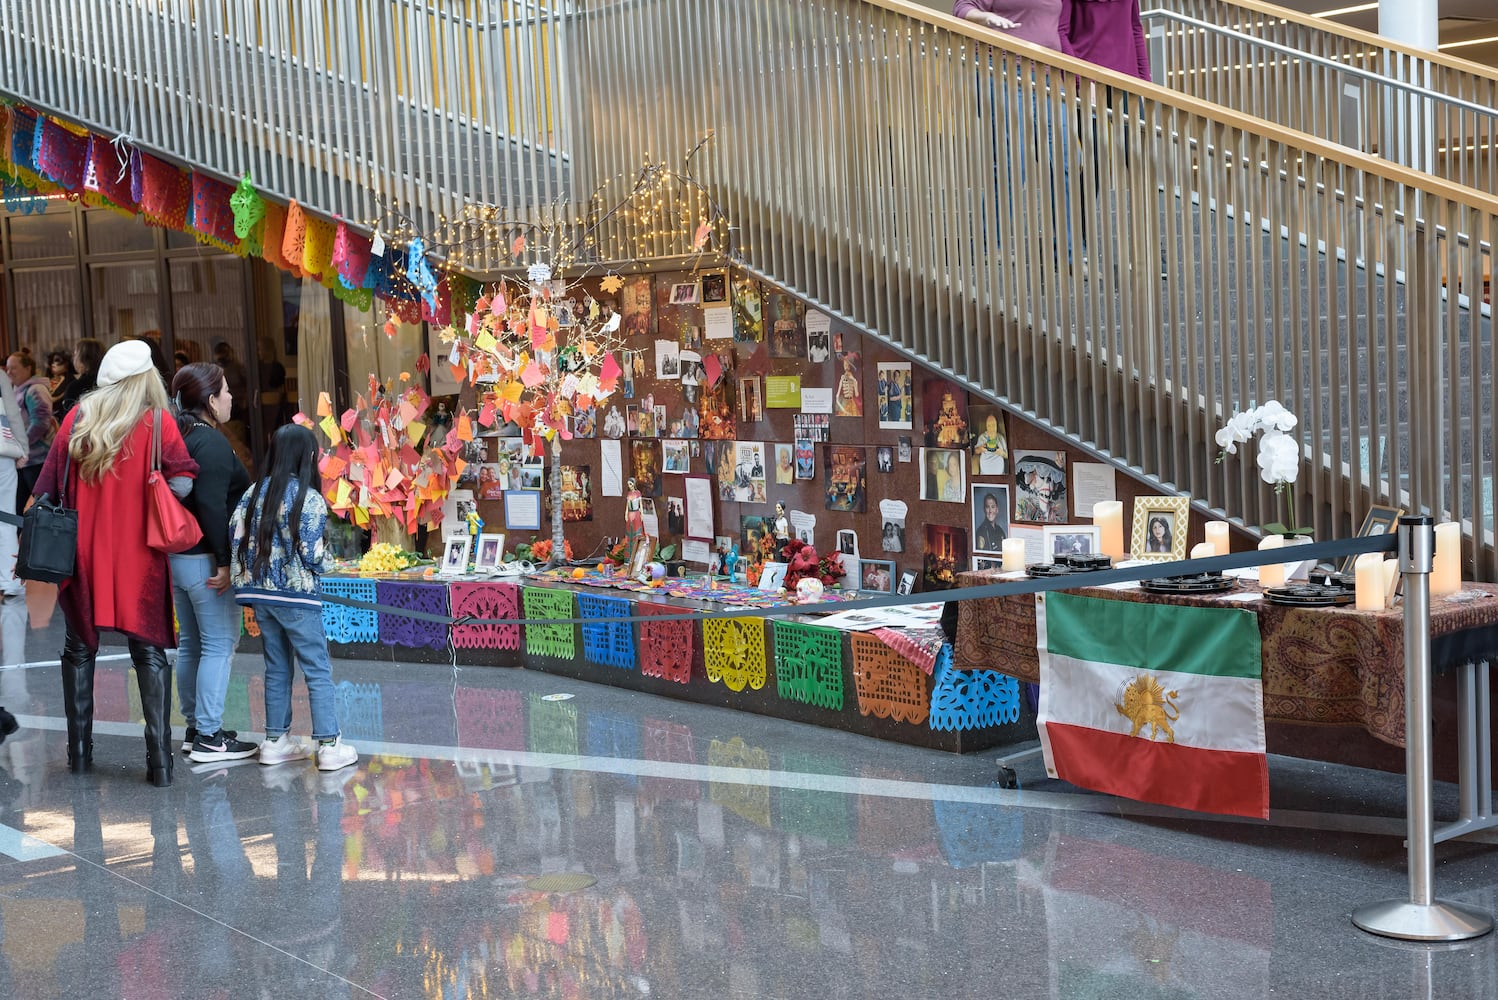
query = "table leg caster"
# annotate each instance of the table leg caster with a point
(1007, 777)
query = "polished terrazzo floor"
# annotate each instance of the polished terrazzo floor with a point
(497, 841)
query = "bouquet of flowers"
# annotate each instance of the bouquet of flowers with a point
(1279, 453)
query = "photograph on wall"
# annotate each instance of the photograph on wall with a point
(751, 400)
(492, 482)
(943, 475)
(748, 312)
(684, 424)
(787, 317)
(884, 459)
(715, 287)
(685, 293)
(749, 467)
(634, 365)
(716, 412)
(814, 427)
(753, 528)
(676, 515)
(585, 422)
(877, 575)
(660, 419)
(846, 478)
(632, 420)
(896, 396)
(946, 556)
(691, 369)
(667, 360)
(990, 441)
(577, 493)
(990, 517)
(533, 476)
(785, 465)
(806, 459)
(903, 449)
(678, 316)
(645, 419)
(646, 463)
(944, 408)
(638, 296)
(818, 340)
(892, 514)
(711, 452)
(847, 399)
(676, 457)
(1040, 487)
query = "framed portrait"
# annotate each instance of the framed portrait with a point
(685, 293)
(907, 582)
(1378, 521)
(455, 554)
(1071, 540)
(1160, 528)
(877, 575)
(490, 553)
(847, 541)
(532, 476)
(990, 517)
(715, 287)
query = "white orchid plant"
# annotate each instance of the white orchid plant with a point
(1279, 453)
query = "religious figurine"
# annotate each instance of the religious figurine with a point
(782, 523)
(634, 516)
(475, 523)
(731, 562)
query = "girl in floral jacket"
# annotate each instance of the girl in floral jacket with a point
(277, 543)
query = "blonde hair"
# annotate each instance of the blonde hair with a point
(105, 419)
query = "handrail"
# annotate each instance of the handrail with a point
(1410, 89)
(1361, 37)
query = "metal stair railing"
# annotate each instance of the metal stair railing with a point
(999, 210)
(1331, 80)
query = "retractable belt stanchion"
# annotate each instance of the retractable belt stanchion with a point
(1421, 917)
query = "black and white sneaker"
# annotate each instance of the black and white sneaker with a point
(191, 737)
(220, 746)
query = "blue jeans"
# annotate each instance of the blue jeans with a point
(293, 634)
(209, 625)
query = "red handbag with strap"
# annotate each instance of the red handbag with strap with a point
(170, 527)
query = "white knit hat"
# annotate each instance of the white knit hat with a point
(130, 357)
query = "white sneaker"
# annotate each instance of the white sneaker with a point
(283, 748)
(332, 756)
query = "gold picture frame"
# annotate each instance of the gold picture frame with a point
(1173, 514)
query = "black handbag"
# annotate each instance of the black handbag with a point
(49, 536)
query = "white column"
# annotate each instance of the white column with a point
(1412, 22)
(1415, 23)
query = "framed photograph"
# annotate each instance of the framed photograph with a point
(907, 582)
(715, 287)
(532, 476)
(984, 563)
(685, 293)
(772, 577)
(847, 541)
(1160, 528)
(990, 517)
(1071, 539)
(455, 554)
(1378, 521)
(877, 575)
(490, 553)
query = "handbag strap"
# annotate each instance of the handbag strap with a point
(155, 440)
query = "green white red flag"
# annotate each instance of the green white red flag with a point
(1154, 702)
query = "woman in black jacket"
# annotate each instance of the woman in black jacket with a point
(207, 615)
(87, 354)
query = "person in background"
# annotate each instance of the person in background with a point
(1035, 21)
(102, 455)
(60, 377)
(207, 615)
(35, 398)
(278, 556)
(1107, 33)
(86, 356)
(152, 340)
(12, 588)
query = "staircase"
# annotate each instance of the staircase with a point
(1122, 263)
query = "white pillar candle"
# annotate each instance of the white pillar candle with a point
(1108, 516)
(1391, 580)
(1203, 550)
(1272, 574)
(1014, 554)
(1217, 536)
(1368, 574)
(1446, 573)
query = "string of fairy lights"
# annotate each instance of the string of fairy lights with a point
(656, 212)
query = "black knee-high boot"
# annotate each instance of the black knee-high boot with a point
(78, 701)
(153, 674)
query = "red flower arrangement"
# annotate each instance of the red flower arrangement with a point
(803, 563)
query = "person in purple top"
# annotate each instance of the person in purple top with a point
(1037, 21)
(1107, 33)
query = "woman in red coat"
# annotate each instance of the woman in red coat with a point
(103, 450)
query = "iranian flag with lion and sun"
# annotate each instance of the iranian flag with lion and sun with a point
(1154, 702)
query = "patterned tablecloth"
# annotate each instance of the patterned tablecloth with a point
(1330, 666)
